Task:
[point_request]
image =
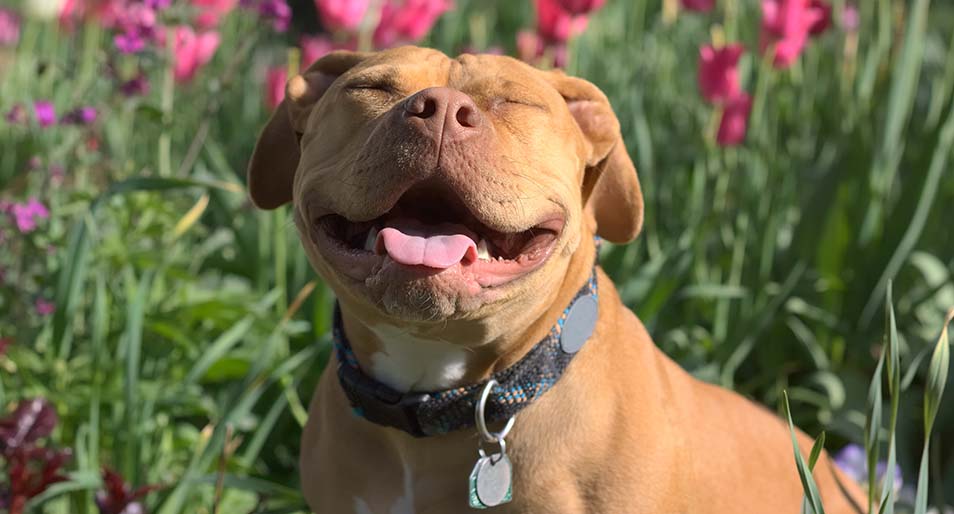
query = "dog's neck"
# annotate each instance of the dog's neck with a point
(460, 352)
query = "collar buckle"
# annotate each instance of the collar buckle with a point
(379, 403)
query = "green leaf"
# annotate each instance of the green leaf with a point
(804, 471)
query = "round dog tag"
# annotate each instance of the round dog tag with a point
(493, 476)
(579, 324)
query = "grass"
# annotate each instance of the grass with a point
(188, 324)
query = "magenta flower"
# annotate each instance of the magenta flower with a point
(212, 11)
(129, 42)
(26, 214)
(556, 25)
(80, 116)
(342, 14)
(408, 21)
(735, 121)
(43, 307)
(719, 72)
(44, 112)
(9, 28)
(698, 5)
(786, 25)
(136, 86)
(16, 115)
(278, 12)
(275, 79)
(578, 7)
(192, 51)
(822, 23)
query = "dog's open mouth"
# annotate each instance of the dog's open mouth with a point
(433, 231)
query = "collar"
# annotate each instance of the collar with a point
(440, 412)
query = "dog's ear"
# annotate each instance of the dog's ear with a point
(611, 189)
(271, 171)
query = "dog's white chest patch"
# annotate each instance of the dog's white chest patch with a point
(407, 362)
(402, 505)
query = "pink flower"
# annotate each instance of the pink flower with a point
(211, 11)
(786, 25)
(342, 14)
(26, 214)
(275, 79)
(192, 51)
(555, 24)
(43, 307)
(9, 28)
(45, 113)
(314, 48)
(698, 5)
(850, 19)
(529, 46)
(822, 23)
(735, 120)
(408, 20)
(718, 72)
(80, 116)
(578, 7)
(278, 12)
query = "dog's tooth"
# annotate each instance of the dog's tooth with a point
(371, 240)
(483, 253)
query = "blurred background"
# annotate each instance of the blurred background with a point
(160, 338)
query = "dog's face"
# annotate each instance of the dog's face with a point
(433, 189)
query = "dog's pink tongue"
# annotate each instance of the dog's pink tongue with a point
(439, 251)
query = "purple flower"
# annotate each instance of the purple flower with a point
(129, 42)
(9, 28)
(45, 113)
(43, 307)
(80, 116)
(277, 11)
(16, 115)
(157, 5)
(854, 463)
(136, 86)
(26, 214)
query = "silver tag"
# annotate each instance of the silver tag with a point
(491, 481)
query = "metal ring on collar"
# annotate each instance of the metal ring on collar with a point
(490, 437)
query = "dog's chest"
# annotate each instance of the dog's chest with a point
(407, 362)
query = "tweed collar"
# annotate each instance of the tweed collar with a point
(440, 412)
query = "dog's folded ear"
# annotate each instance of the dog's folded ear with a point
(611, 189)
(271, 170)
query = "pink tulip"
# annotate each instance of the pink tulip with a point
(578, 7)
(316, 47)
(408, 20)
(735, 120)
(786, 25)
(212, 11)
(9, 28)
(192, 51)
(822, 23)
(698, 5)
(719, 72)
(275, 79)
(556, 24)
(342, 14)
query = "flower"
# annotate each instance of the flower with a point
(29, 422)
(118, 497)
(136, 86)
(698, 5)
(314, 48)
(43, 307)
(735, 120)
(137, 25)
(275, 79)
(16, 115)
(342, 14)
(9, 28)
(44, 112)
(850, 18)
(211, 11)
(577, 7)
(824, 21)
(718, 72)
(192, 51)
(853, 462)
(278, 12)
(786, 25)
(80, 116)
(31, 470)
(408, 20)
(556, 25)
(26, 214)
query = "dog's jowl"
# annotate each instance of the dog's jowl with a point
(482, 358)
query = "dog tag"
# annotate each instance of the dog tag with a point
(491, 481)
(579, 324)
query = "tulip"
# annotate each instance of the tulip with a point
(719, 73)
(316, 47)
(824, 21)
(275, 79)
(9, 28)
(735, 120)
(408, 20)
(698, 5)
(786, 25)
(212, 11)
(578, 7)
(344, 15)
(555, 24)
(192, 51)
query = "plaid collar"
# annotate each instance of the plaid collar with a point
(440, 412)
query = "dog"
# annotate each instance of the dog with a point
(455, 206)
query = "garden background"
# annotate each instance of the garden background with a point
(154, 324)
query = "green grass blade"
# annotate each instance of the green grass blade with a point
(804, 471)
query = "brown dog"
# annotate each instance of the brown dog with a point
(451, 204)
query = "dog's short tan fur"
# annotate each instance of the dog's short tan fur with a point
(625, 430)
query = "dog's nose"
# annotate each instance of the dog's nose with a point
(444, 113)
